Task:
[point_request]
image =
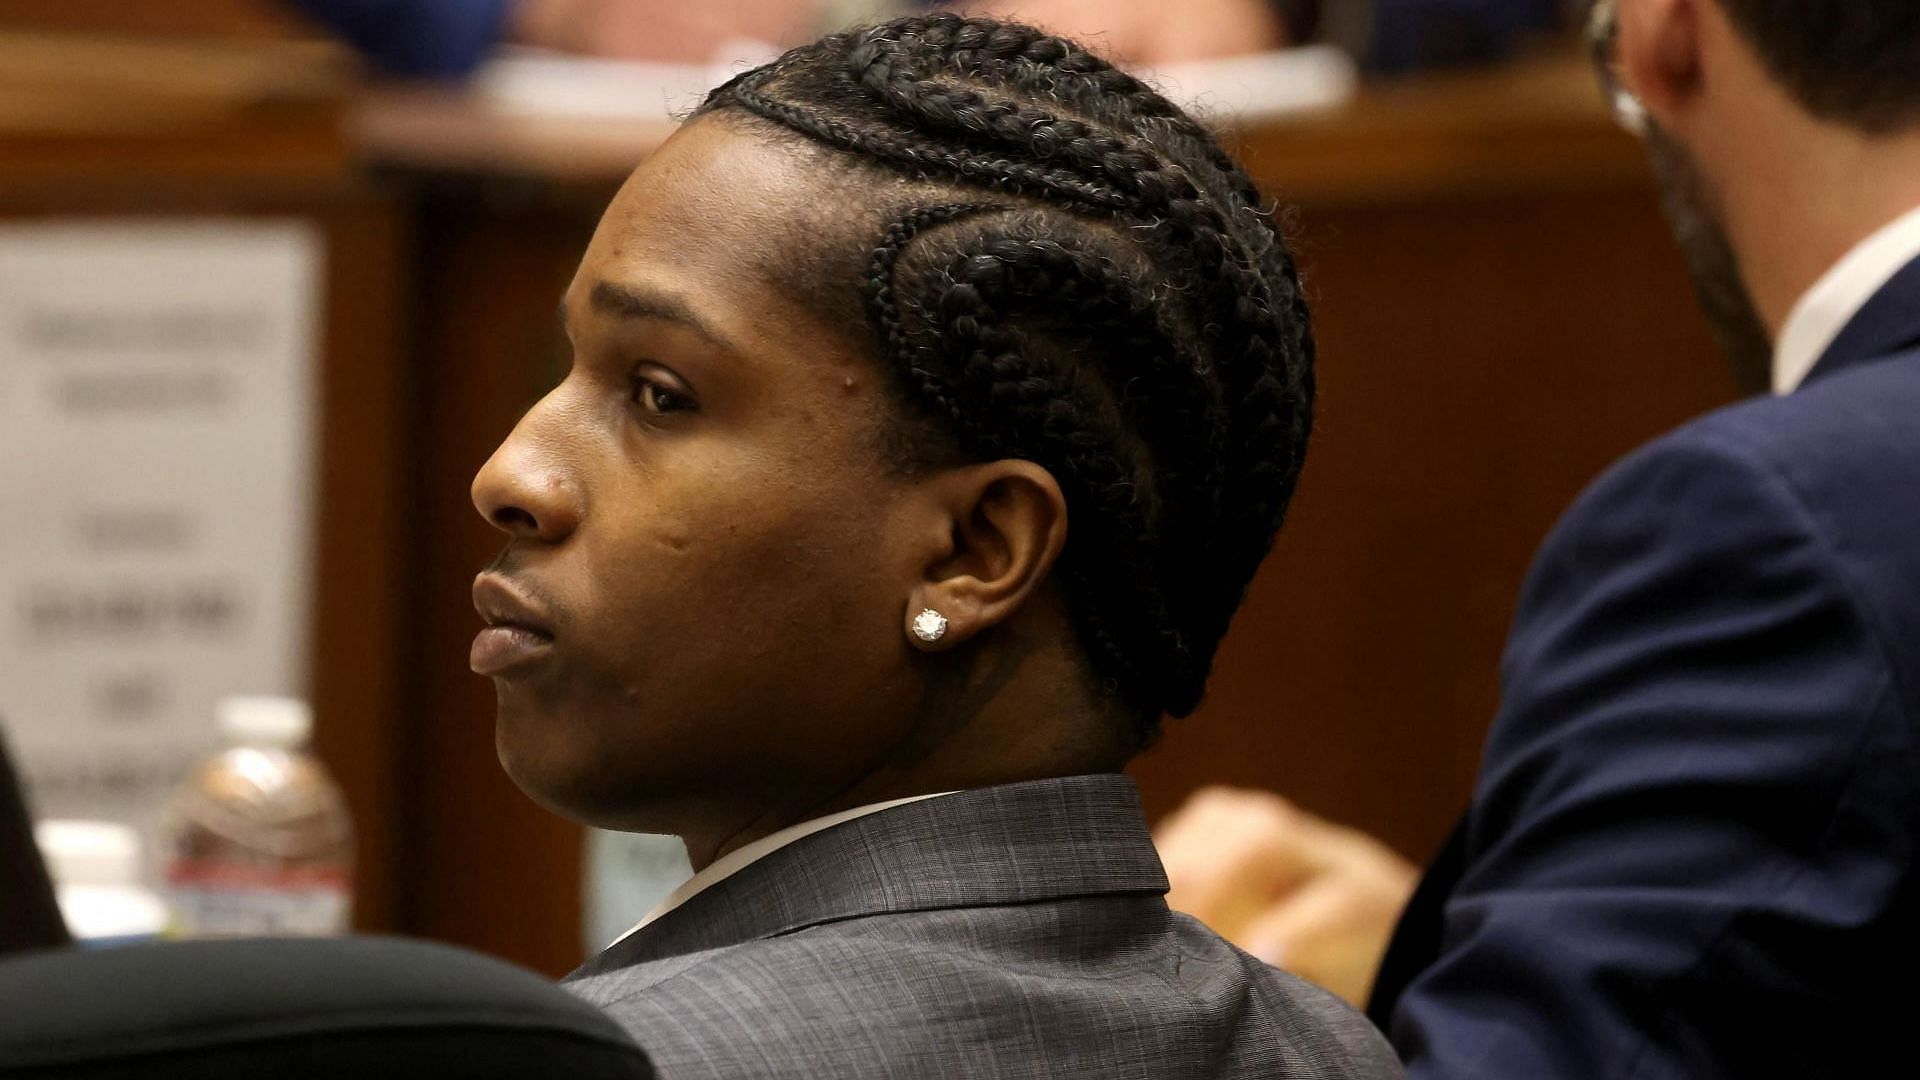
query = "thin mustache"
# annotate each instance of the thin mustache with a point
(504, 563)
(510, 564)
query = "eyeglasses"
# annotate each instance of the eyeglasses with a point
(1603, 44)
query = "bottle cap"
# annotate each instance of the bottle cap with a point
(89, 852)
(281, 722)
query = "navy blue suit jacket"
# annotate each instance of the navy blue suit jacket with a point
(1691, 849)
(429, 38)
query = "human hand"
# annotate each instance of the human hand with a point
(1318, 899)
(1148, 33)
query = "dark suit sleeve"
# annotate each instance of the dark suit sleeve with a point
(1692, 803)
(430, 38)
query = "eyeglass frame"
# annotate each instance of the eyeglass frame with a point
(1603, 43)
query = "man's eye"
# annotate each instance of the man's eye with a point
(659, 400)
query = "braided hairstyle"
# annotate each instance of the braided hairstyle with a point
(1059, 265)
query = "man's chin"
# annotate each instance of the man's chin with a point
(568, 783)
(557, 791)
(533, 754)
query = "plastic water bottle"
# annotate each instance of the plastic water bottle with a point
(260, 836)
(95, 867)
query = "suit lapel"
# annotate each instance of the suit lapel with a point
(1014, 844)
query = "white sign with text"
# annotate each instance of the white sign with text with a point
(157, 460)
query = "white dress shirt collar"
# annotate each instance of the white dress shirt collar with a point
(1826, 309)
(734, 861)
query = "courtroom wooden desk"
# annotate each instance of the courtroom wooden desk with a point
(1500, 314)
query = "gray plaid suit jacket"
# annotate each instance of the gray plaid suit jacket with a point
(1015, 931)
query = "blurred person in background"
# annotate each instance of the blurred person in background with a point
(448, 38)
(920, 440)
(441, 38)
(1691, 850)
(1388, 35)
(1150, 33)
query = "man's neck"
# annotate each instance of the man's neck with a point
(1794, 216)
(1017, 713)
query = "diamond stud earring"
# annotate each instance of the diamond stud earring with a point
(929, 626)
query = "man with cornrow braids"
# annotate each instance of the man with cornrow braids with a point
(936, 391)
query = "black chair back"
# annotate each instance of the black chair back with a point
(297, 1009)
(29, 918)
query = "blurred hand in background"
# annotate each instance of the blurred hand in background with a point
(1151, 33)
(1318, 899)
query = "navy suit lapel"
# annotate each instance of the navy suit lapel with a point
(1887, 326)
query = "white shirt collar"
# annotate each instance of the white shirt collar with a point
(1836, 298)
(734, 861)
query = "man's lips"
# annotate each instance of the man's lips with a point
(517, 632)
(498, 650)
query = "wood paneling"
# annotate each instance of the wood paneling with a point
(363, 600)
(1481, 360)
(489, 869)
(139, 114)
(250, 19)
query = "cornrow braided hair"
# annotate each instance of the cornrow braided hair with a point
(1075, 274)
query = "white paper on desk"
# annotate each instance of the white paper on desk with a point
(1260, 86)
(156, 459)
(530, 82)
(541, 83)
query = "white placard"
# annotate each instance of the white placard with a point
(156, 473)
(525, 82)
(1261, 86)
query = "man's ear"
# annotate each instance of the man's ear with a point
(1006, 523)
(1660, 56)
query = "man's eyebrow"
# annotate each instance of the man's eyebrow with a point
(628, 302)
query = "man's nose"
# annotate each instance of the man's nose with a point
(527, 489)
